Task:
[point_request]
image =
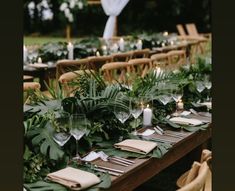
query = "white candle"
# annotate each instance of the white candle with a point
(97, 53)
(180, 105)
(115, 47)
(104, 48)
(165, 33)
(139, 45)
(121, 44)
(39, 60)
(163, 44)
(147, 119)
(172, 42)
(157, 71)
(25, 54)
(70, 51)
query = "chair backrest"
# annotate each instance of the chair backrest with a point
(64, 66)
(181, 30)
(176, 58)
(115, 72)
(28, 88)
(193, 50)
(160, 60)
(198, 182)
(144, 53)
(139, 66)
(68, 77)
(191, 29)
(31, 86)
(96, 62)
(122, 56)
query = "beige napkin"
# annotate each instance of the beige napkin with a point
(185, 121)
(38, 65)
(73, 178)
(137, 146)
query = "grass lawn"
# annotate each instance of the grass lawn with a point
(42, 40)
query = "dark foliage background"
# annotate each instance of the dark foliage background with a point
(137, 16)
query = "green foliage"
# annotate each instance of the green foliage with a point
(42, 136)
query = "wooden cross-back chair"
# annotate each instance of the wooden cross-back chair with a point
(190, 181)
(96, 62)
(29, 87)
(160, 60)
(139, 66)
(144, 53)
(176, 58)
(122, 56)
(181, 30)
(64, 66)
(67, 78)
(198, 177)
(192, 31)
(115, 72)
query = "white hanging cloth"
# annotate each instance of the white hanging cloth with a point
(112, 8)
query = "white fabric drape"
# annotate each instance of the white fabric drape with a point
(112, 8)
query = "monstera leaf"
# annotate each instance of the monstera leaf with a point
(41, 185)
(43, 137)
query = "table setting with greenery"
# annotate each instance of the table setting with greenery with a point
(61, 131)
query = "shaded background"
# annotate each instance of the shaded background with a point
(137, 16)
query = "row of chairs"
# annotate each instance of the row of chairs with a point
(96, 62)
(191, 31)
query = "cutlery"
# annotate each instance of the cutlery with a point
(121, 160)
(110, 172)
(109, 169)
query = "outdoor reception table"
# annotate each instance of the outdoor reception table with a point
(44, 74)
(144, 169)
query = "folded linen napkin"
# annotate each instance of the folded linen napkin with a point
(185, 121)
(137, 146)
(73, 178)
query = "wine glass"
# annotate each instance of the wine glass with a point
(61, 124)
(136, 110)
(208, 86)
(78, 128)
(165, 99)
(177, 95)
(200, 87)
(122, 113)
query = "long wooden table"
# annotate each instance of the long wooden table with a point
(44, 74)
(144, 169)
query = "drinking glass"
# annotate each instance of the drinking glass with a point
(208, 85)
(200, 86)
(165, 98)
(122, 113)
(78, 129)
(136, 110)
(61, 127)
(177, 94)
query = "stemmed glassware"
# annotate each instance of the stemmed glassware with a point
(177, 95)
(61, 133)
(122, 113)
(136, 108)
(208, 85)
(165, 96)
(200, 87)
(78, 128)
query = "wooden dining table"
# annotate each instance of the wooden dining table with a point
(145, 168)
(44, 74)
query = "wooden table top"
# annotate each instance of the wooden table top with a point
(144, 169)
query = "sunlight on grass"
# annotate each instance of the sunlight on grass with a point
(42, 40)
